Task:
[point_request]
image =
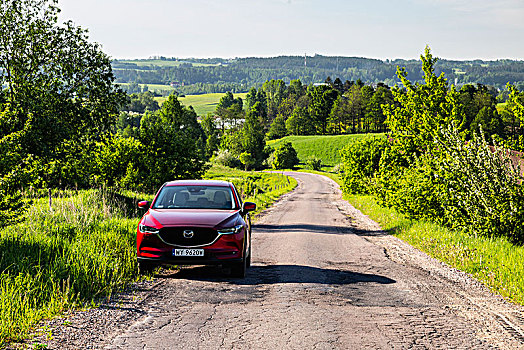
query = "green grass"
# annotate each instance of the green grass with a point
(64, 256)
(324, 147)
(206, 103)
(152, 87)
(82, 249)
(495, 261)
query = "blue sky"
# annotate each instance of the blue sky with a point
(454, 29)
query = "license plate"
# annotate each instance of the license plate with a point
(188, 252)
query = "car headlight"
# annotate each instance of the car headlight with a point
(148, 229)
(230, 230)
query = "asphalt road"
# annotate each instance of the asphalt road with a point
(323, 277)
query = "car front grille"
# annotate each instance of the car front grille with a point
(182, 237)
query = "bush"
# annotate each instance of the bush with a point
(483, 186)
(285, 157)
(416, 192)
(471, 186)
(314, 163)
(360, 161)
(226, 158)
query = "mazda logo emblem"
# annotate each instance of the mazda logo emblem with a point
(188, 234)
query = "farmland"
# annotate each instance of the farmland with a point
(206, 103)
(324, 147)
(162, 63)
(158, 88)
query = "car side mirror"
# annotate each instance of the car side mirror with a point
(248, 206)
(143, 205)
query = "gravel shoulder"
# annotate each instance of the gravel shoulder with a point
(324, 276)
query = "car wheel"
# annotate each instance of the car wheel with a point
(146, 267)
(239, 269)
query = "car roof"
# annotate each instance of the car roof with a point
(198, 183)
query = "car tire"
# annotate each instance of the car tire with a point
(238, 269)
(146, 267)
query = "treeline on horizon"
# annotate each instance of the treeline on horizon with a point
(238, 75)
(333, 108)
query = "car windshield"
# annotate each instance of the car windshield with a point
(195, 197)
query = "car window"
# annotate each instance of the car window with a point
(195, 197)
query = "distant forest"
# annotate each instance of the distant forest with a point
(240, 74)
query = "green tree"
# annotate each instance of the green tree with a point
(211, 132)
(173, 145)
(422, 109)
(275, 91)
(58, 84)
(322, 98)
(229, 110)
(140, 102)
(247, 160)
(277, 129)
(300, 123)
(285, 156)
(490, 121)
(252, 138)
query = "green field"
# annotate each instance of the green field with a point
(324, 147)
(164, 63)
(152, 87)
(205, 103)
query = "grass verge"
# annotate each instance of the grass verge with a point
(66, 254)
(496, 262)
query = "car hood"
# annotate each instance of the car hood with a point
(185, 217)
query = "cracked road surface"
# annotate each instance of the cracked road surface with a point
(324, 276)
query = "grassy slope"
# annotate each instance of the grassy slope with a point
(324, 147)
(83, 248)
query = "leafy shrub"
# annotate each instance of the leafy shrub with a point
(226, 158)
(285, 157)
(247, 159)
(415, 192)
(360, 161)
(314, 163)
(484, 187)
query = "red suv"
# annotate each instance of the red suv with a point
(195, 222)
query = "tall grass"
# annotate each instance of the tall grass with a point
(69, 254)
